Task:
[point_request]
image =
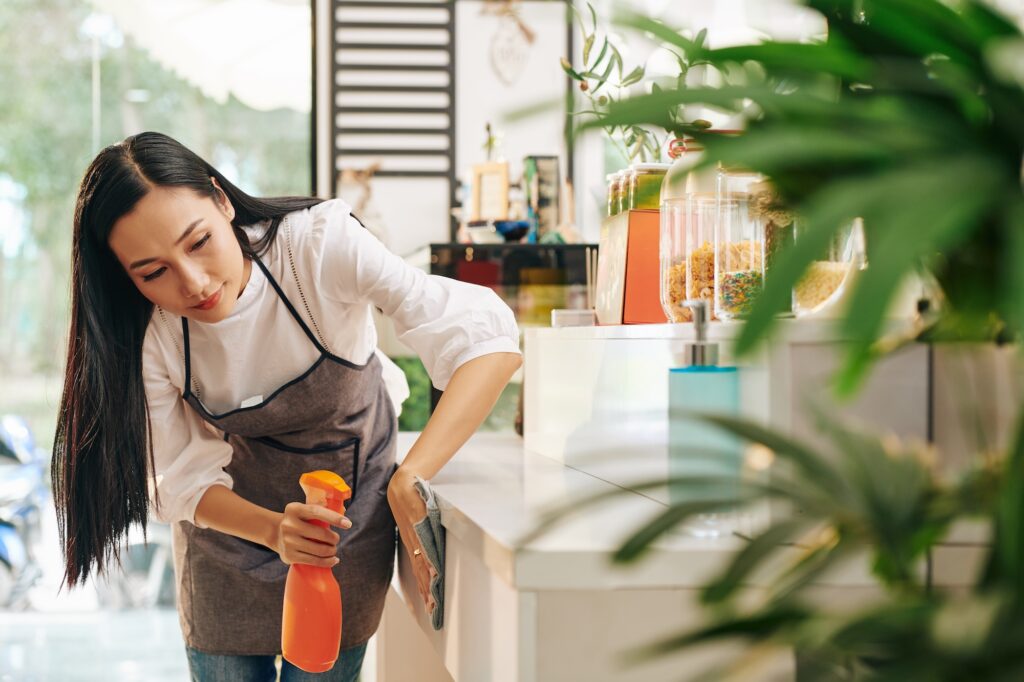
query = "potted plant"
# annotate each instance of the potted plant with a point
(603, 78)
(909, 116)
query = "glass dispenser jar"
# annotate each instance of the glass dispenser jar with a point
(614, 193)
(687, 232)
(829, 276)
(687, 253)
(622, 191)
(672, 248)
(778, 224)
(739, 245)
(645, 185)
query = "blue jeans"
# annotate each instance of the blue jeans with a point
(217, 668)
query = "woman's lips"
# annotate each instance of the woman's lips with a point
(210, 302)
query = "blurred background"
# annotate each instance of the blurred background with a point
(78, 76)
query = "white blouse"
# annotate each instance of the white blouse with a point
(243, 358)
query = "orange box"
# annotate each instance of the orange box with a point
(628, 271)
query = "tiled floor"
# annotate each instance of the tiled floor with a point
(92, 645)
(64, 636)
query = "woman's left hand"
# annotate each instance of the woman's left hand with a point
(409, 509)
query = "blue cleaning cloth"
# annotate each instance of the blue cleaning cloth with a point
(431, 535)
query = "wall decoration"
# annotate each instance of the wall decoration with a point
(510, 47)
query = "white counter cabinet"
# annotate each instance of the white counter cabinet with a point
(556, 610)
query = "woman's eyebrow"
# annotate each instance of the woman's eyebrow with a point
(183, 237)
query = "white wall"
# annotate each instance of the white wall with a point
(482, 97)
(415, 211)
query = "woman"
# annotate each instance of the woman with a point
(220, 346)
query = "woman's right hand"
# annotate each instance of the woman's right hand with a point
(298, 541)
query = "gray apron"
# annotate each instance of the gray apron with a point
(336, 416)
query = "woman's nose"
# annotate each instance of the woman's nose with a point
(193, 281)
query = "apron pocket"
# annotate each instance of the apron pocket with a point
(327, 456)
(266, 472)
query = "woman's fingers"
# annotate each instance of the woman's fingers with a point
(408, 509)
(302, 550)
(421, 568)
(301, 529)
(310, 559)
(311, 547)
(314, 512)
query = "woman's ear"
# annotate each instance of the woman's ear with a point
(222, 200)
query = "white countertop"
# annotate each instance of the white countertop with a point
(493, 492)
(792, 330)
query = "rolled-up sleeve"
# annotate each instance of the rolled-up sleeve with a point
(446, 322)
(188, 455)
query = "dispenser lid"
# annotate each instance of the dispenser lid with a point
(650, 166)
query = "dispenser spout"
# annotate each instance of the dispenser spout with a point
(700, 352)
(700, 317)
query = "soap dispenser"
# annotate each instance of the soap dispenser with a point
(696, 448)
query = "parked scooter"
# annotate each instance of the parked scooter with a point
(23, 495)
(145, 577)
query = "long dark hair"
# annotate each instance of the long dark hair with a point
(101, 457)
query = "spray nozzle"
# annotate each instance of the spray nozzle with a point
(325, 488)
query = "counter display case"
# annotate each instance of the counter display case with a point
(533, 279)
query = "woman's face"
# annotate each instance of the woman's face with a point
(178, 247)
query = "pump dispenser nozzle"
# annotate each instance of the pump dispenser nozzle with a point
(700, 352)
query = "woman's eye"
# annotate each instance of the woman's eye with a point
(153, 275)
(201, 243)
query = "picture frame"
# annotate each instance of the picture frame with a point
(490, 191)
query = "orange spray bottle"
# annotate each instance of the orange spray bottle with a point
(311, 623)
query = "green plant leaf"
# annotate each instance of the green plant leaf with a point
(812, 565)
(579, 17)
(654, 108)
(758, 626)
(890, 199)
(617, 60)
(748, 491)
(587, 45)
(604, 77)
(805, 57)
(661, 32)
(986, 23)
(641, 540)
(893, 491)
(571, 72)
(635, 76)
(1007, 561)
(1013, 266)
(748, 560)
(813, 466)
(772, 147)
(601, 53)
(558, 514)
(702, 36)
(895, 248)
(926, 27)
